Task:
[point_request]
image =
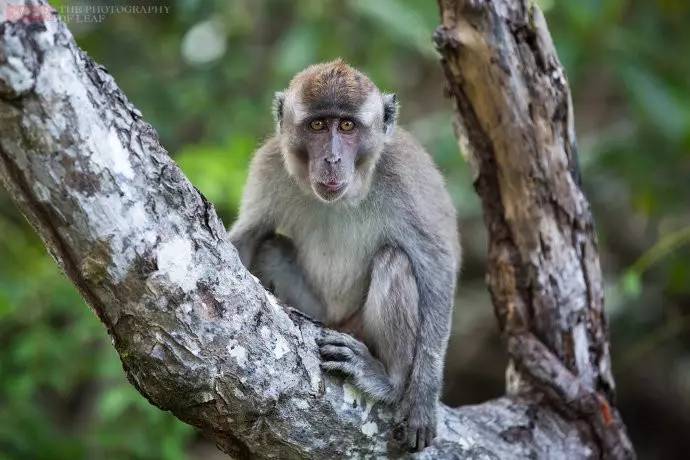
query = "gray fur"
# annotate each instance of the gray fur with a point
(276, 265)
(384, 262)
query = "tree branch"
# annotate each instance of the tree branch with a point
(515, 122)
(196, 333)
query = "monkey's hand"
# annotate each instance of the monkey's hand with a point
(342, 353)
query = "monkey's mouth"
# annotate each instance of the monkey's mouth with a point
(333, 186)
(331, 190)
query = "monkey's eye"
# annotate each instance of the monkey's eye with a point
(347, 125)
(317, 125)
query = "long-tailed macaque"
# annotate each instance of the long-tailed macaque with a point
(346, 217)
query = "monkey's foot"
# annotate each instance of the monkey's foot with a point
(343, 354)
(420, 426)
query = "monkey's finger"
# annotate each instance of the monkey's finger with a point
(343, 340)
(338, 366)
(337, 338)
(336, 353)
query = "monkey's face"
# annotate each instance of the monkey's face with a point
(333, 123)
(332, 147)
(332, 154)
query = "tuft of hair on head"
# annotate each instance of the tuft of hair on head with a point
(332, 82)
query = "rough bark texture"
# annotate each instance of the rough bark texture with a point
(515, 123)
(200, 337)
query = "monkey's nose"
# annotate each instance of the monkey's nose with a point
(332, 160)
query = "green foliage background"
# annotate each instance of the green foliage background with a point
(62, 390)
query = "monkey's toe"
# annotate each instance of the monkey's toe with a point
(420, 438)
(421, 430)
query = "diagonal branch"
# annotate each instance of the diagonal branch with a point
(515, 122)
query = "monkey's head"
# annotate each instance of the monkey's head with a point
(333, 122)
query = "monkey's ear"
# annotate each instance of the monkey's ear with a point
(390, 112)
(278, 102)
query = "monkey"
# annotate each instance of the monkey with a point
(345, 217)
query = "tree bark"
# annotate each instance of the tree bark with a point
(515, 123)
(199, 336)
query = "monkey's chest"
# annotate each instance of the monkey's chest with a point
(336, 262)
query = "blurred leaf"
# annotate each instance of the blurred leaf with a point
(400, 20)
(297, 50)
(631, 284)
(113, 403)
(657, 101)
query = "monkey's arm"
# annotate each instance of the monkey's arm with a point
(256, 220)
(276, 266)
(390, 329)
(246, 239)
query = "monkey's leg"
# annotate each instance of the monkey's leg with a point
(276, 266)
(390, 329)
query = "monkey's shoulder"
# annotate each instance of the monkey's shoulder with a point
(408, 171)
(267, 173)
(267, 158)
(410, 185)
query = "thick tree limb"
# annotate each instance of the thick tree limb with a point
(515, 121)
(196, 333)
